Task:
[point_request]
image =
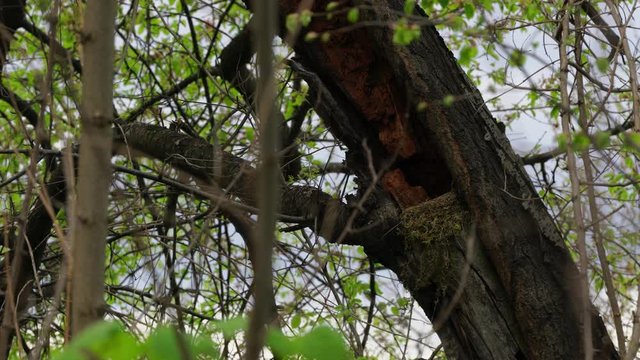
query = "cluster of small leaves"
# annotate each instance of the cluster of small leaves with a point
(109, 340)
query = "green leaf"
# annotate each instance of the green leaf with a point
(602, 139)
(296, 320)
(427, 5)
(332, 5)
(602, 63)
(517, 58)
(448, 100)
(231, 327)
(581, 142)
(403, 302)
(281, 345)
(530, 11)
(292, 22)
(249, 133)
(107, 339)
(469, 10)
(204, 347)
(632, 140)
(456, 23)
(404, 33)
(533, 98)
(409, 6)
(555, 110)
(310, 36)
(467, 53)
(305, 17)
(163, 344)
(353, 15)
(443, 3)
(321, 343)
(562, 142)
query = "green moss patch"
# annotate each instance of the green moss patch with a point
(434, 234)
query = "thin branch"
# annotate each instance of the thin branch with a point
(57, 47)
(585, 302)
(633, 74)
(548, 155)
(372, 303)
(634, 342)
(177, 88)
(593, 207)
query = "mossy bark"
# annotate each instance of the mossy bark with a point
(435, 233)
(443, 266)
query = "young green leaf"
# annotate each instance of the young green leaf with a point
(517, 58)
(448, 100)
(602, 139)
(602, 63)
(332, 5)
(467, 53)
(409, 6)
(296, 320)
(353, 15)
(581, 142)
(292, 22)
(163, 344)
(469, 10)
(404, 33)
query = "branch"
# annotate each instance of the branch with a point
(233, 61)
(21, 106)
(545, 156)
(57, 47)
(601, 24)
(610, 35)
(11, 19)
(19, 265)
(235, 175)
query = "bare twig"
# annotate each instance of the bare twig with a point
(634, 342)
(631, 61)
(585, 314)
(593, 206)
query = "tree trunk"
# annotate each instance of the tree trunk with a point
(89, 224)
(445, 161)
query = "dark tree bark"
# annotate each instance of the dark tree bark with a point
(520, 297)
(11, 19)
(27, 251)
